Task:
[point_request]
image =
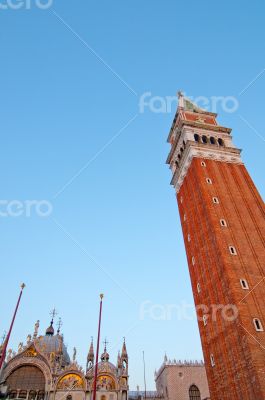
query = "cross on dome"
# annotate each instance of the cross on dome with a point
(53, 313)
(105, 355)
(50, 329)
(105, 344)
(59, 325)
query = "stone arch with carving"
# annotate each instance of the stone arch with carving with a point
(31, 361)
(61, 381)
(109, 376)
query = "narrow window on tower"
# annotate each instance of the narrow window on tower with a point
(184, 217)
(188, 237)
(258, 325)
(196, 137)
(215, 200)
(181, 199)
(244, 284)
(203, 164)
(193, 260)
(212, 360)
(223, 222)
(232, 250)
(198, 288)
(204, 318)
(209, 181)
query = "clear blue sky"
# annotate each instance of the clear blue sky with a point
(62, 101)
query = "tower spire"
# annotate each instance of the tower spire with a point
(124, 358)
(90, 356)
(124, 353)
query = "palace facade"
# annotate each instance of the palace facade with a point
(182, 380)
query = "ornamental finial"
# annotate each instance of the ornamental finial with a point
(105, 344)
(180, 94)
(74, 354)
(59, 325)
(181, 99)
(36, 329)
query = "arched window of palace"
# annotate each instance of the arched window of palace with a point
(26, 381)
(194, 393)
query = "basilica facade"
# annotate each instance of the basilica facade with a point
(43, 370)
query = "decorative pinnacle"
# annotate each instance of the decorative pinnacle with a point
(180, 93)
(105, 344)
(101, 296)
(59, 325)
(22, 286)
(53, 313)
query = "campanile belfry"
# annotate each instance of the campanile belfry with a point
(222, 217)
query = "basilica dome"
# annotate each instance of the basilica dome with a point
(51, 345)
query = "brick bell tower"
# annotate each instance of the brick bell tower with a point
(222, 217)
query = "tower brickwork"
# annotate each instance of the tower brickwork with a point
(222, 218)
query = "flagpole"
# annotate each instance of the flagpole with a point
(3, 356)
(97, 353)
(144, 376)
